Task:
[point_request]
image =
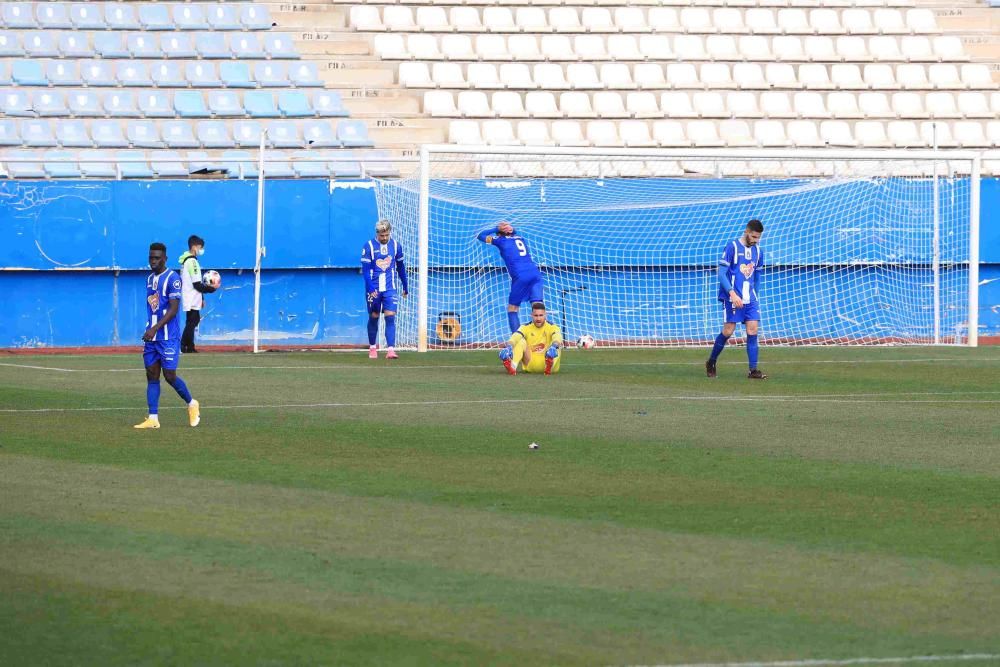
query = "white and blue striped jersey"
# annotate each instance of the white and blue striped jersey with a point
(160, 289)
(743, 265)
(382, 265)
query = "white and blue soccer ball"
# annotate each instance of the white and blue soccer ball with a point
(212, 279)
(585, 342)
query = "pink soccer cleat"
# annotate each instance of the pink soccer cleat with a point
(372, 352)
(391, 353)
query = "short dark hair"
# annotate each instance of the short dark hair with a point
(755, 225)
(194, 239)
(156, 245)
(538, 305)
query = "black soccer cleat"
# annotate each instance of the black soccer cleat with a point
(710, 368)
(756, 374)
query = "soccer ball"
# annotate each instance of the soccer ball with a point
(212, 279)
(585, 342)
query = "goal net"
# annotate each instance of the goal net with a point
(859, 248)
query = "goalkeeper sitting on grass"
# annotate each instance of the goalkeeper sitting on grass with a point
(535, 346)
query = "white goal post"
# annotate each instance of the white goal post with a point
(861, 246)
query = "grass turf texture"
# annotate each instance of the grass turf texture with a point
(844, 509)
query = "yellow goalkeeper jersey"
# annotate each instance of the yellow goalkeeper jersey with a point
(538, 338)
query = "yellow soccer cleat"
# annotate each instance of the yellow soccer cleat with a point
(194, 413)
(149, 423)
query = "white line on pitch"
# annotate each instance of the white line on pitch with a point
(41, 368)
(829, 398)
(820, 662)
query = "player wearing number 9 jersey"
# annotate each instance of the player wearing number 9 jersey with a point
(525, 276)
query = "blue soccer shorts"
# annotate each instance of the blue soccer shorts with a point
(750, 312)
(166, 352)
(387, 300)
(527, 289)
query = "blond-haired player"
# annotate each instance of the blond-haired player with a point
(534, 346)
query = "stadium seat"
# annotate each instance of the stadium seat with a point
(28, 73)
(656, 47)
(201, 74)
(508, 104)
(190, 104)
(776, 104)
(754, 47)
(736, 133)
(912, 77)
(235, 75)
(788, 48)
(624, 47)
(239, 164)
(320, 134)
(937, 133)
(61, 164)
(84, 16)
(465, 132)
(178, 134)
(155, 104)
(168, 164)
(167, 74)
(750, 76)
(421, 47)
(465, 19)
(716, 75)
(154, 16)
(499, 133)
(53, 16)
(277, 165)
(729, 20)
(770, 134)
(820, 48)
(576, 105)
(875, 105)
(343, 164)
(649, 76)
(271, 74)
(108, 134)
(329, 103)
(448, 75)
(279, 45)
(942, 105)
(884, 48)
(457, 47)
(993, 132)
(473, 104)
(484, 75)
(9, 133)
(921, 21)
(642, 105)
(225, 103)
(843, 105)
(111, 45)
(977, 75)
(568, 133)
(200, 163)
(246, 46)
(18, 15)
(91, 167)
(944, 76)
(810, 105)
(683, 75)
(709, 104)
(246, 133)
(795, 21)
(75, 45)
(391, 46)
(804, 133)
(353, 133)
(969, 134)
(15, 102)
(527, 19)
(255, 17)
(949, 47)
(904, 134)
(143, 134)
(858, 21)
(143, 45)
(119, 103)
(837, 133)
(400, 19)
(366, 18)
(691, 46)
(178, 45)
(616, 76)
(890, 21)
(551, 76)
(609, 105)
(586, 47)
(120, 16)
(533, 133)
(415, 75)
(704, 133)
(722, 47)
(743, 104)
(214, 134)
(974, 105)
(71, 133)
(310, 164)
(852, 48)
(10, 44)
(433, 19)
(212, 45)
(663, 20)
(635, 133)
(23, 169)
(908, 105)
(63, 73)
(294, 104)
(49, 103)
(222, 16)
(85, 103)
(304, 75)
(512, 75)
(260, 104)
(817, 77)
(871, 134)
(917, 49)
(879, 76)
(541, 104)
(189, 16)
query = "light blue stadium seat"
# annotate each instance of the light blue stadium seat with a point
(280, 45)
(28, 73)
(93, 169)
(310, 164)
(87, 16)
(239, 164)
(85, 103)
(329, 103)
(276, 165)
(212, 45)
(223, 17)
(9, 136)
(98, 73)
(344, 164)
(143, 134)
(53, 16)
(177, 45)
(10, 44)
(236, 74)
(120, 103)
(320, 134)
(155, 104)
(154, 16)
(120, 16)
(214, 134)
(255, 17)
(163, 164)
(189, 17)
(379, 168)
(40, 44)
(190, 104)
(14, 102)
(167, 74)
(304, 75)
(260, 104)
(132, 73)
(294, 104)
(199, 163)
(246, 133)
(201, 74)
(75, 45)
(245, 45)
(178, 134)
(18, 15)
(63, 73)
(284, 134)
(61, 164)
(108, 134)
(49, 103)
(23, 169)
(353, 134)
(133, 164)
(110, 45)
(224, 103)
(4, 73)
(271, 74)
(144, 45)
(37, 132)
(72, 133)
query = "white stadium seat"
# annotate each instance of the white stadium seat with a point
(534, 133)
(974, 105)
(656, 47)
(930, 129)
(568, 133)
(398, 18)
(565, 19)
(776, 104)
(704, 133)
(683, 75)
(858, 21)
(819, 48)
(770, 134)
(879, 76)
(541, 104)
(464, 132)
(597, 19)
(624, 47)
(678, 103)
(843, 105)
(448, 75)
(809, 104)
(649, 76)
(804, 133)
(722, 47)
(642, 105)
(754, 47)
(576, 105)
(590, 47)
(969, 133)
(743, 104)
(942, 105)
(635, 133)
(492, 47)
(457, 47)
(884, 48)
(871, 134)
(465, 19)
(904, 134)
(508, 104)
(691, 46)
(583, 76)
(823, 20)
(524, 47)
(890, 21)
(609, 104)
(709, 104)
(439, 103)
(499, 133)
(670, 133)
(550, 76)
(474, 104)
(875, 105)
(750, 76)
(760, 20)
(908, 105)
(517, 75)
(617, 76)
(499, 19)
(557, 47)
(484, 75)
(603, 133)
(837, 133)
(847, 77)
(912, 77)
(433, 19)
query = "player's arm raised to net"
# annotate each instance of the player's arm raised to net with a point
(489, 235)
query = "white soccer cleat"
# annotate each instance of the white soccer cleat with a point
(194, 413)
(148, 423)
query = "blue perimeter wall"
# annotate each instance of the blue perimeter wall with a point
(73, 258)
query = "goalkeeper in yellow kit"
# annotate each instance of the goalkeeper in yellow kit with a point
(534, 346)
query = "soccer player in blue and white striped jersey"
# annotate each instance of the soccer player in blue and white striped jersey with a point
(382, 266)
(162, 338)
(739, 281)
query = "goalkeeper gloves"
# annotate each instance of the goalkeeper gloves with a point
(553, 351)
(507, 353)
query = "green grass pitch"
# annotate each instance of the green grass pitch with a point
(331, 510)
